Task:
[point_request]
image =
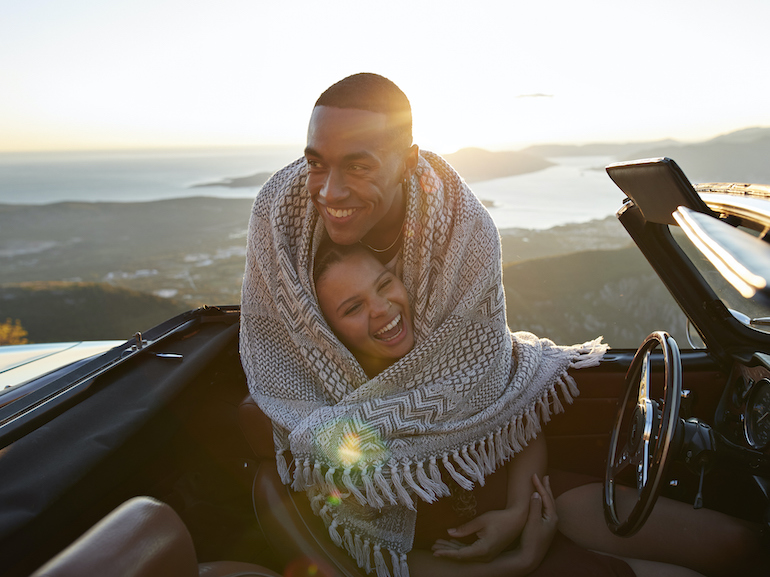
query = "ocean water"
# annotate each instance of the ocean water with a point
(576, 189)
(132, 176)
(571, 191)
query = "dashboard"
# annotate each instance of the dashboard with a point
(744, 412)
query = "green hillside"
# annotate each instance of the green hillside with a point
(568, 298)
(736, 157)
(192, 248)
(477, 164)
(98, 271)
(59, 311)
(526, 244)
(575, 297)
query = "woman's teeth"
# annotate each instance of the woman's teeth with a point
(389, 327)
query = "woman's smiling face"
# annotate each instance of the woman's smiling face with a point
(368, 309)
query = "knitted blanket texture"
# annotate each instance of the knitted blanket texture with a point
(464, 401)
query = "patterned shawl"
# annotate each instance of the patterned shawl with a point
(460, 404)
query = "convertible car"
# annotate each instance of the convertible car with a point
(151, 458)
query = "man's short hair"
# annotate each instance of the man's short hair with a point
(374, 93)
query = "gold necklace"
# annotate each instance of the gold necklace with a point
(392, 244)
(404, 185)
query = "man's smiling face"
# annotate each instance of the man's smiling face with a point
(355, 170)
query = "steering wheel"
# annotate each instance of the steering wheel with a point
(643, 432)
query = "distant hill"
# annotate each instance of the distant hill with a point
(190, 248)
(595, 149)
(59, 311)
(473, 164)
(740, 156)
(477, 164)
(523, 244)
(89, 261)
(255, 180)
(182, 224)
(568, 298)
(580, 296)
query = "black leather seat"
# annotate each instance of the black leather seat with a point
(296, 536)
(141, 538)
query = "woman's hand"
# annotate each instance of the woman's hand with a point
(494, 530)
(498, 529)
(541, 525)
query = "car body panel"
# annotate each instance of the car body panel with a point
(22, 363)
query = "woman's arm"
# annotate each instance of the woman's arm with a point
(496, 530)
(533, 460)
(536, 537)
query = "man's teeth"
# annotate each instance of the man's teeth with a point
(390, 326)
(339, 213)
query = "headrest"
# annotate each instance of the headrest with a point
(141, 538)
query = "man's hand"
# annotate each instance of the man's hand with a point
(498, 529)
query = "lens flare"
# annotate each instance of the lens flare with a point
(349, 451)
(349, 443)
(334, 498)
(307, 567)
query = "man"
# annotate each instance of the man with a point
(359, 155)
(454, 408)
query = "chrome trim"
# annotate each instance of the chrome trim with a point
(752, 208)
(701, 228)
(86, 379)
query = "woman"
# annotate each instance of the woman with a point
(368, 309)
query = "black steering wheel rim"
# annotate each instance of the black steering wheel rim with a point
(653, 427)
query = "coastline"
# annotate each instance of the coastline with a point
(520, 189)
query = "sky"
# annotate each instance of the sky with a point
(112, 74)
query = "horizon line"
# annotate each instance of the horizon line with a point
(301, 145)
